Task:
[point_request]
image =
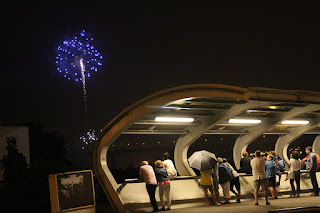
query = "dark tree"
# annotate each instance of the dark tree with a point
(47, 153)
(14, 163)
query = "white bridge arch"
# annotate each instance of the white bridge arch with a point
(211, 106)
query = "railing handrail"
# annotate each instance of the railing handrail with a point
(137, 180)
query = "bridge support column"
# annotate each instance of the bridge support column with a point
(284, 141)
(243, 141)
(316, 145)
(184, 142)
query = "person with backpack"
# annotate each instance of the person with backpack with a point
(271, 175)
(225, 176)
(280, 165)
(304, 161)
(235, 181)
(312, 168)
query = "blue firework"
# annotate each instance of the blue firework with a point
(77, 58)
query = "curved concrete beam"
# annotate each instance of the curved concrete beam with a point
(316, 145)
(243, 141)
(184, 142)
(284, 141)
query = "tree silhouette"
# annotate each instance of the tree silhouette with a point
(14, 163)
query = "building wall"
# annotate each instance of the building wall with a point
(22, 135)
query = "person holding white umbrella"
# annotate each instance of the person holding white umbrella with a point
(206, 182)
(205, 162)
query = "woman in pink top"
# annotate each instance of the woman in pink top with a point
(147, 174)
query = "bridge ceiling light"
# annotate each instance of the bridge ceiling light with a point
(274, 107)
(244, 121)
(174, 119)
(295, 122)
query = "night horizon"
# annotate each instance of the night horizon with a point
(190, 43)
(186, 85)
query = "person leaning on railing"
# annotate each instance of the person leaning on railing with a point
(168, 164)
(147, 174)
(164, 184)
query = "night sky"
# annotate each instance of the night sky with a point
(149, 46)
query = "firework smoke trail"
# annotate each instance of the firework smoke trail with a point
(84, 94)
(80, 48)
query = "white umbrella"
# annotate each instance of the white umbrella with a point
(202, 160)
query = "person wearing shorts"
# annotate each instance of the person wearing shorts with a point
(260, 182)
(271, 171)
(259, 175)
(206, 182)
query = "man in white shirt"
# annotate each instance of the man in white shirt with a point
(258, 165)
(168, 164)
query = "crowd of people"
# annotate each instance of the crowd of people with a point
(272, 166)
(264, 169)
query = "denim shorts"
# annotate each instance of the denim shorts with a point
(206, 186)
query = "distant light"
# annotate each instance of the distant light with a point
(244, 121)
(174, 119)
(295, 122)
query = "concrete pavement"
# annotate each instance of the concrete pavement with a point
(246, 205)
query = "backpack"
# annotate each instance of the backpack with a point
(282, 165)
(318, 162)
(224, 174)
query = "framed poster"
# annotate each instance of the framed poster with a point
(71, 190)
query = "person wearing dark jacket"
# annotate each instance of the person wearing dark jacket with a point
(164, 184)
(245, 163)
